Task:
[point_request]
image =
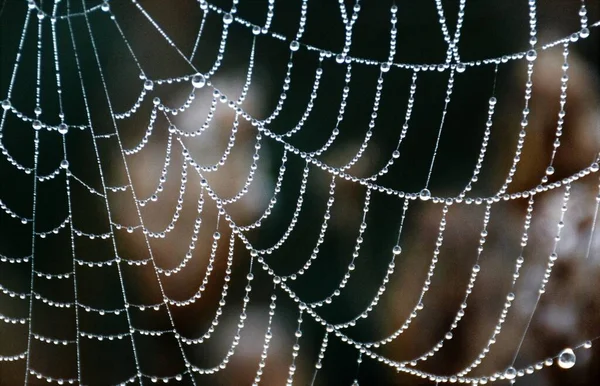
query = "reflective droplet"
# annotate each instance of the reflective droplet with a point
(449, 336)
(36, 125)
(227, 18)
(396, 154)
(256, 30)
(594, 167)
(105, 6)
(566, 359)
(63, 128)
(340, 58)
(148, 85)
(385, 67)
(587, 344)
(397, 250)
(64, 164)
(531, 55)
(550, 170)
(493, 101)
(217, 236)
(294, 45)
(425, 194)
(198, 81)
(6, 104)
(460, 67)
(584, 33)
(510, 373)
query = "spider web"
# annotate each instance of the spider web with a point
(84, 198)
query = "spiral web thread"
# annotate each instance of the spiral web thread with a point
(178, 140)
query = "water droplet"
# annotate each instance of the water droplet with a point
(587, 344)
(460, 67)
(63, 128)
(148, 85)
(531, 55)
(256, 30)
(294, 45)
(550, 170)
(584, 33)
(594, 167)
(566, 359)
(510, 373)
(6, 104)
(198, 81)
(217, 236)
(425, 194)
(385, 67)
(396, 154)
(36, 125)
(227, 18)
(340, 58)
(449, 335)
(64, 164)
(105, 6)
(493, 101)
(397, 250)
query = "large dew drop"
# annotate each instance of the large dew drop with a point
(198, 81)
(566, 358)
(425, 194)
(510, 373)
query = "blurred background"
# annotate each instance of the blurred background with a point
(568, 313)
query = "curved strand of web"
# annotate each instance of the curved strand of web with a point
(224, 292)
(283, 96)
(369, 132)
(209, 117)
(145, 139)
(15, 260)
(62, 225)
(287, 232)
(292, 223)
(163, 175)
(236, 339)
(174, 218)
(310, 104)
(321, 238)
(484, 143)
(340, 116)
(50, 176)
(247, 183)
(207, 274)
(382, 288)
(267, 342)
(249, 72)
(193, 239)
(396, 153)
(294, 45)
(522, 133)
(10, 212)
(351, 266)
(461, 312)
(223, 160)
(273, 200)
